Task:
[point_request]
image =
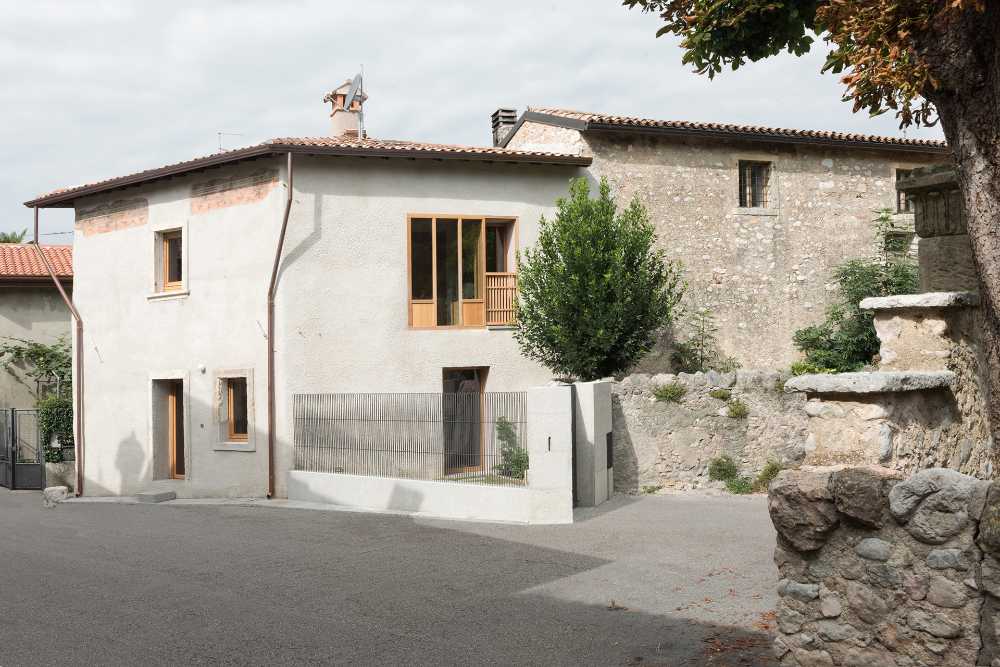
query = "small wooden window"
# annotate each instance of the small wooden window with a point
(755, 182)
(173, 264)
(904, 204)
(236, 400)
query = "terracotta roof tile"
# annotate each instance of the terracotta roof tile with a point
(602, 121)
(343, 146)
(20, 260)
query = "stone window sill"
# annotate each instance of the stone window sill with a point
(167, 296)
(755, 211)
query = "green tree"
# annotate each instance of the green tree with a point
(13, 237)
(846, 340)
(47, 364)
(594, 291)
(916, 58)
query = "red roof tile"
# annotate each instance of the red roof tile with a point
(20, 260)
(593, 121)
(339, 146)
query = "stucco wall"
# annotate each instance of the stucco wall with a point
(28, 312)
(763, 276)
(341, 311)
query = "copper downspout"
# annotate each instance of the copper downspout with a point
(270, 335)
(77, 361)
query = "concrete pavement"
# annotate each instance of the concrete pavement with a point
(690, 577)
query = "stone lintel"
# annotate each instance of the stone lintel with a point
(869, 383)
(920, 301)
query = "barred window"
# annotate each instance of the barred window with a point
(755, 180)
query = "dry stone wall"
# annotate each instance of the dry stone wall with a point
(884, 571)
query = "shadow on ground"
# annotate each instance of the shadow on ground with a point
(128, 584)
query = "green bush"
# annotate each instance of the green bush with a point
(594, 292)
(513, 457)
(846, 340)
(721, 394)
(739, 485)
(55, 417)
(650, 489)
(53, 455)
(766, 475)
(738, 409)
(722, 468)
(672, 392)
(805, 368)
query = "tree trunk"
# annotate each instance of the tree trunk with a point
(963, 57)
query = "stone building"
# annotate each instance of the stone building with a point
(30, 309)
(759, 216)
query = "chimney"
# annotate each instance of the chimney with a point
(345, 122)
(503, 123)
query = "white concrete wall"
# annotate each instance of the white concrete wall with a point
(341, 306)
(547, 498)
(592, 412)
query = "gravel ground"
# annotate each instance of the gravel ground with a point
(660, 580)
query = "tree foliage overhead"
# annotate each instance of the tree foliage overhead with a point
(594, 291)
(873, 41)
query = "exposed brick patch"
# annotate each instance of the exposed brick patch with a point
(112, 216)
(232, 190)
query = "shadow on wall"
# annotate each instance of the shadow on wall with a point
(129, 459)
(626, 460)
(302, 247)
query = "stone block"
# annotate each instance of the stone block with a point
(869, 383)
(53, 495)
(946, 264)
(802, 508)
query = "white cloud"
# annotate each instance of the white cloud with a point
(91, 90)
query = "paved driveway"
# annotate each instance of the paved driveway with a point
(112, 584)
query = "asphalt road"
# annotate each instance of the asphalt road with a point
(175, 584)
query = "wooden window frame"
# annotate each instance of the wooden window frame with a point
(231, 433)
(485, 221)
(901, 197)
(165, 238)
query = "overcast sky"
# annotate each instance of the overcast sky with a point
(96, 89)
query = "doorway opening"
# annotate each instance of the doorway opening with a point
(169, 460)
(463, 419)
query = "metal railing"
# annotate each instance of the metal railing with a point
(478, 438)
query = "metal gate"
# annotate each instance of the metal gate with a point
(21, 457)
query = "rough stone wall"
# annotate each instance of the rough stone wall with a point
(763, 274)
(879, 571)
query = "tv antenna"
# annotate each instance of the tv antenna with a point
(227, 134)
(357, 91)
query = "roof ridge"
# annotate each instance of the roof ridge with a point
(763, 130)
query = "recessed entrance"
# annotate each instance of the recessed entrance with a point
(169, 461)
(463, 419)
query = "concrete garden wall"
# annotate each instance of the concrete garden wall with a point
(880, 570)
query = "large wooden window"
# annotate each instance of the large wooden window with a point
(458, 267)
(236, 401)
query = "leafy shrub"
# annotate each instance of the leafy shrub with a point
(53, 455)
(738, 409)
(721, 394)
(700, 352)
(806, 368)
(55, 417)
(47, 364)
(846, 340)
(594, 291)
(513, 458)
(650, 489)
(739, 485)
(722, 468)
(672, 392)
(766, 475)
